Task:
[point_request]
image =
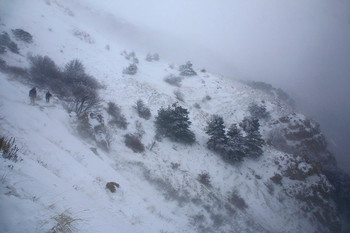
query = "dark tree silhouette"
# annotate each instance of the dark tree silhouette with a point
(216, 130)
(173, 122)
(236, 145)
(253, 140)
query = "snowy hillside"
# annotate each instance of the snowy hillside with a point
(59, 182)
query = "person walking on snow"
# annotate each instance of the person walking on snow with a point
(48, 96)
(32, 95)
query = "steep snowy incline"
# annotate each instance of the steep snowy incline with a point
(63, 177)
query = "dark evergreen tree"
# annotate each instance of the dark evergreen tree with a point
(235, 150)
(253, 141)
(216, 130)
(173, 122)
(258, 111)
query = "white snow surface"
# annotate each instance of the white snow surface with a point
(58, 172)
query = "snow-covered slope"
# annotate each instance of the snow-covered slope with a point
(61, 176)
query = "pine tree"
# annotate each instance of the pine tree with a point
(258, 111)
(216, 130)
(253, 141)
(235, 150)
(174, 123)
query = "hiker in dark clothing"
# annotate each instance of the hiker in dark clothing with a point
(48, 96)
(32, 95)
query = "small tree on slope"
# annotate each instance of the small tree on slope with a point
(174, 123)
(216, 130)
(253, 141)
(235, 145)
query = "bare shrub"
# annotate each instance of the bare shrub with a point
(74, 72)
(204, 178)
(175, 165)
(173, 80)
(150, 57)
(179, 95)
(134, 143)
(197, 106)
(118, 118)
(130, 70)
(84, 127)
(142, 110)
(140, 131)
(5, 41)
(270, 187)
(84, 36)
(156, 57)
(77, 88)
(81, 87)
(128, 56)
(111, 186)
(9, 149)
(14, 70)
(277, 179)
(85, 99)
(22, 35)
(237, 200)
(64, 223)
(206, 98)
(45, 73)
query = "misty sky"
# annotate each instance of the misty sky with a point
(302, 46)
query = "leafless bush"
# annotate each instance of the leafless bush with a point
(118, 118)
(130, 70)
(85, 99)
(142, 110)
(150, 57)
(197, 106)
(179, 95)
(204, 178)
(6, 42)
(206, 98)
(134, 143)
(175, 165)
(45, 73)
(22, 35)
(140, 131)
(237, 200)
(9, 149)
(173, 80)
(270, 187)
(64, 223)
(13, 70)
(84, 36)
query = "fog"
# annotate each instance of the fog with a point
(301, 46)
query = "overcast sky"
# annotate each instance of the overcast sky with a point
(302, 46)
